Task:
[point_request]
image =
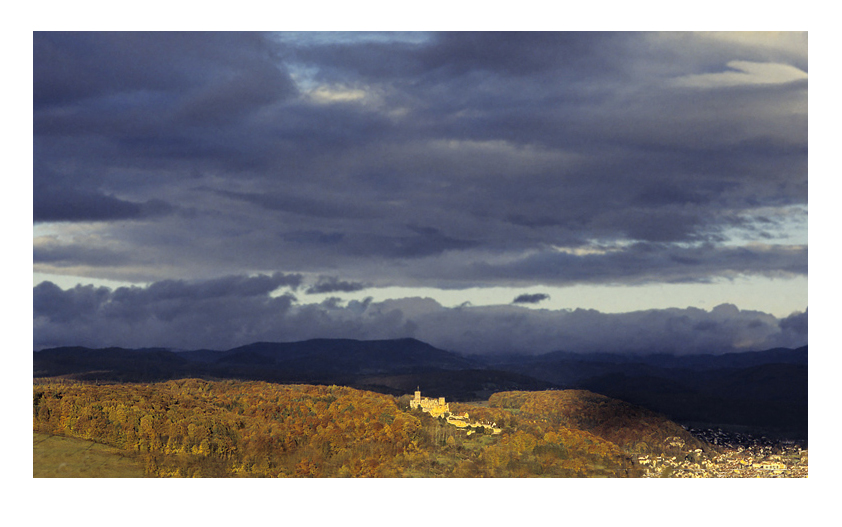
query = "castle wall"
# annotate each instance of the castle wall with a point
(434, 407)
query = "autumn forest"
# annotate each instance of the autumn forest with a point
(197, 428)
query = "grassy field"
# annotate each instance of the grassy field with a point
(65, 457)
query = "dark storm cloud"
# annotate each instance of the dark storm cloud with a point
(646, 262)
(171, 312)
(530, 299)
(443, 56)
(455, 158)
(220, 71)
(332, 284)
(303, 205)
(795, 326)
(515, 53)
(50, 300)
(112, 103)
(53, 205)
(224, 313)
(221, 287)
(418, 242)
(59, 306)
(71, 255)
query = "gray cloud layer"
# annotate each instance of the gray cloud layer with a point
(530, 299)
(448, 160)
(223, 313)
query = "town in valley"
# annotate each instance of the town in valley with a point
(732, 456)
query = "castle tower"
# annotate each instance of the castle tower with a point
(418, 394)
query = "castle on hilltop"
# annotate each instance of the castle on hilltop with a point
(434, 407)
(439, 408)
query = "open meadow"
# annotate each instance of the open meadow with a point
(67, 457)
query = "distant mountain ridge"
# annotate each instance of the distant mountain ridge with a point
(368, 356)
(319, 361)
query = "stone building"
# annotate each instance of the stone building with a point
(434, 407)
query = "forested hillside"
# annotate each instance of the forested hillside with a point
(632, 428)
(232, 428)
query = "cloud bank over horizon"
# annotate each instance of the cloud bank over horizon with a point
(233, 311)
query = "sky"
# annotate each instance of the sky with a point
(483, 192)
